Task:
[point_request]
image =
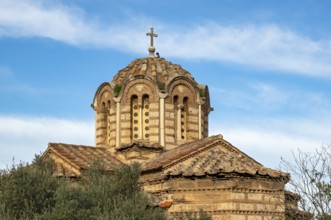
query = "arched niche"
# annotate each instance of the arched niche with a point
(139, 87)
(103, 97)
(182, 87)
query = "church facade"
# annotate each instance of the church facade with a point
(155, 113)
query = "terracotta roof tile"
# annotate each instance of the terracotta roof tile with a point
(177, 153)
(208, 156)
(204, 158)
(158, 69)
(83, 156)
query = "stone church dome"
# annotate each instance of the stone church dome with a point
(159, 70)
(151, 102)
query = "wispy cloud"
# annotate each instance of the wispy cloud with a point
(10, 84)
(18, 88)
(56, 21)
(5, 71)
(305, 124)
(269, 94)
(22, 137)
(267, 140)
(267, 46)
(272, 98)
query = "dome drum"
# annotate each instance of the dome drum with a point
(154, 101)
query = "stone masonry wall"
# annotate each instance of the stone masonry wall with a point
(225, 199)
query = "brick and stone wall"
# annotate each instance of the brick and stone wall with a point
(222, 198)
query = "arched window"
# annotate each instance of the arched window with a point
(180, 109)
(145, 117)
(184, 119)
(140, 125)
(177, 117)
(176, 102)
(135, 118)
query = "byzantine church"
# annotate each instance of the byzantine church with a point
(155, 113)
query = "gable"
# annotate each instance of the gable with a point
(71, 159)
(208, 156)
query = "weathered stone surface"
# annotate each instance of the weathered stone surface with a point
(155, 113)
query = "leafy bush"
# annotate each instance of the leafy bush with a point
(27, 190)
(30, 192)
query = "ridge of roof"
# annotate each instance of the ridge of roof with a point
(140, 144)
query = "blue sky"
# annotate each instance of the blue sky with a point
(267, 65)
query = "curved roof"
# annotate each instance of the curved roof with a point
(158, 69)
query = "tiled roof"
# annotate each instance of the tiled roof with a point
(82, 157)
(205, 157)
(159, 69)
(209, 156)
(141, 145)
(177, 153)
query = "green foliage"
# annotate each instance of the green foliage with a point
(30, 192)
(117, 89)
(161, 86)
(72, 203)
(324, 217)
(202, 93)
(26, 190)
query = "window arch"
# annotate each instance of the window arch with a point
(135, 128)
(145, 116)
(180, 109)
(140, 124)
(177, 118)
(175, 99)
(183, 127)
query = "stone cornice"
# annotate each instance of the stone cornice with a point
(237, 212)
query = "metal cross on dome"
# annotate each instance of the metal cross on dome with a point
(151, 49)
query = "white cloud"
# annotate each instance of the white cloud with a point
(291, 118)
(22, 137)
(268, 97)
(267, 140)
(265, 46)
(269, 94)
(264, 140)
(38, 18)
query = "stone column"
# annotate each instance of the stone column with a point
(200, 102)
(162, 96)
(118, 121)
